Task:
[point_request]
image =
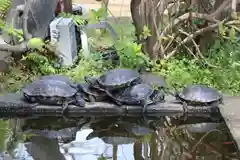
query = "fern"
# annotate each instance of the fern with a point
(4, 6)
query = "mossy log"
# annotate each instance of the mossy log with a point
(14, 105)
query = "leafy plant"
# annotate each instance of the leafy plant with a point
(131, 55)
(224, 54)
(96, 16)
(78, 20)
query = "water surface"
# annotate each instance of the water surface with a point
(117, 138)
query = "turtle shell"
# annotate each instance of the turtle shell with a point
(113, 137)
(201, 127)
(49, 91)
(134, 95)
(90, 91)
(119, 78)
(199, 94)
(85, 87)
(56, 77)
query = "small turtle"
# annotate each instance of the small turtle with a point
(199, 95)
(201, 127)
(51, 92)
(139, 94)
(92, 93)
(114, 79)
(111, 137)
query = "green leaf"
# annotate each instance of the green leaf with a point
(35, 43)
(232, 34)
(222, 29)
(146, 32)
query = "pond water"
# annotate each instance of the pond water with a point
(117, 138)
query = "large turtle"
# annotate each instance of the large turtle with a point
(120, 133)
(92, 94)
(65, 135)
(199, 95)
(114, 79)
(139, 94)
(52, 92)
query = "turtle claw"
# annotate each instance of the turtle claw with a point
(34, 104)
(65, 109)
(118, 103)
(91, 98)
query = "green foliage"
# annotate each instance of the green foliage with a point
(101, 157)
(96, 16)
(35, 43)
(4, 5)
(78, 20)
(178, 71)
(226, 77)
(131, 55)
(146, 32)
(228, 32)
(40, 63)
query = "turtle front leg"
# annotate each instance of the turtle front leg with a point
(185, 110)
(33, 100)
(144, 110)
(91, 98)
(79, 100)
(65, 108)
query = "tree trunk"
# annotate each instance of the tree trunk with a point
(67, 6)
(145, 13)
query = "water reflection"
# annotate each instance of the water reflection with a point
(117, 138)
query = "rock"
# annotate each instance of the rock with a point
(4, 60)
(4, 67)
(9, 20)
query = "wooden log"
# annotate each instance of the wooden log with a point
(14, 104)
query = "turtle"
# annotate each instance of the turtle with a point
(139, 94)
(201, 127)
(92, 94)
(197, 94)
(65, 135)
(52, 92)
(110, 138)
(115, 79)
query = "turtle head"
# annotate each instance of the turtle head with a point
(157, 96)
(80, 86)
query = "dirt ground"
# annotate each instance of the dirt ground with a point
(117, 8)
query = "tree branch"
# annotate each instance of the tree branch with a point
(181, 19)
(200, 31)
(16, 49)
